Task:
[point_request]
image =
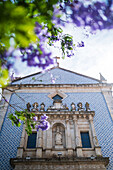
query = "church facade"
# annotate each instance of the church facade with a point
(80, 113)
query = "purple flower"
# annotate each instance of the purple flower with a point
(37, 57)
(92, 14)
(44, 117)
(80, 44)
(44, 125)
(38, 28)
(19, 120)
(35, 118)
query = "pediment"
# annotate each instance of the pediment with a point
(56, 76)
(57, 93)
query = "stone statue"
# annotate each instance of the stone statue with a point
(42, 108)
(80, 108)
(95, 141)
(73, 108)
(58, 137)
(28, 106)
(87, 106)
(35, 107)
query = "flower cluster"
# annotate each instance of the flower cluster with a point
(96, 15)
(30, 120)
(43, 124)
(36, 54)
(5, 57)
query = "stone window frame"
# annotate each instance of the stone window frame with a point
(90, 137)
(57, 92)
(83, 140)
(26, 140)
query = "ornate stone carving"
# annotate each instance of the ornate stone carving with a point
(35, 107)
(57, 105)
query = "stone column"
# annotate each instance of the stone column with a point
(39, 146)
(95, 140)
(22, 144)
(77, 137)
(68, 137)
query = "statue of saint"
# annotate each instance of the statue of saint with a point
(58, 137)
(35, 107)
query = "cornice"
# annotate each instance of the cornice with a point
(60, 85)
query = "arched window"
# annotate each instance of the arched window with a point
(58, 135)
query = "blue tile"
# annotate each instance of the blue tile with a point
(61, 76)
(10, 135)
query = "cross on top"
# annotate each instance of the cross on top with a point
(57, 58)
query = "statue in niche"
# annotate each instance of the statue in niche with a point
(28, 106)
(35, 107)
(87, 106)
(80, 108)
(58, 137)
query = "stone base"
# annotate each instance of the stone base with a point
(59, 147)
(59, 163)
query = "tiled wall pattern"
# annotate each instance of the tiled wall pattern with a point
(10, 135)
(59, 75)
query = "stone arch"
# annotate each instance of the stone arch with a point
(58, 122)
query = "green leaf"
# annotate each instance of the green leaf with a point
(4, 77)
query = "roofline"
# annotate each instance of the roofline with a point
(59, 68)
(80, 74)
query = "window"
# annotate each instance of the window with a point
(85, 140)
(57, 97)
(31, 143)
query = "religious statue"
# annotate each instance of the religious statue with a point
(58, 137)
(42, 108)
(28, 106)
(35, 107)
(73, 108)
(87, 106)
(80, 108)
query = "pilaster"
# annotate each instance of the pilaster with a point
(39, 146)
(22, 144)
(95, 140)
(49, 141)
(77, 138)
(68, 138)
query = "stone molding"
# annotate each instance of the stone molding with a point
(72, 162)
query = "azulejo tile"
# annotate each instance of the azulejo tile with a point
(10, 135)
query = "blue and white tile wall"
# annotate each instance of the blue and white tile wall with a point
(10, 135)
(61, 77)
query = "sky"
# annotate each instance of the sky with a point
(94, 58)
